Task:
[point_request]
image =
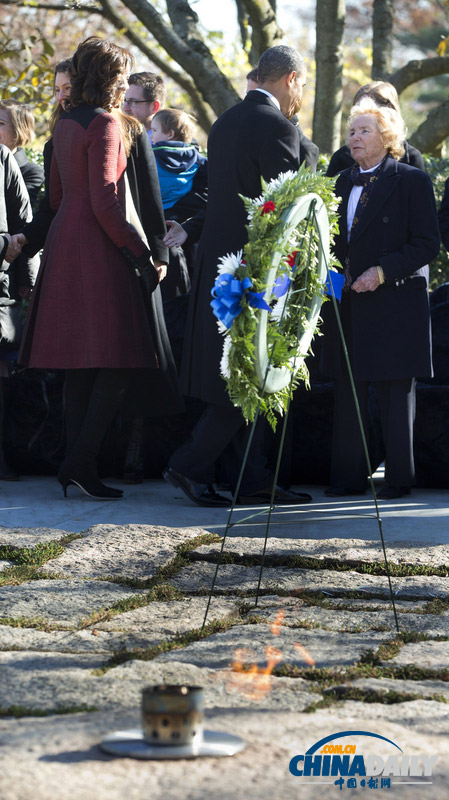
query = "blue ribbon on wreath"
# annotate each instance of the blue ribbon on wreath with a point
(228, 293)
(281, 286)
(334, 281)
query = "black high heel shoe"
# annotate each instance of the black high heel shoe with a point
(97, 492)
(86, 479)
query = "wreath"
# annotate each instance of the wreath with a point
(267, 298)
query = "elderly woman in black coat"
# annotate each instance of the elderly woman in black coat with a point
(384, 94)
(388, 234)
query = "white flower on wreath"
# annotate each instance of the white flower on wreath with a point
(272, 186)
(224, 363)
(228, 264)
(276, 183)
(278, 308)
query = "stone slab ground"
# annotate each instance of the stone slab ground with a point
(87, 620)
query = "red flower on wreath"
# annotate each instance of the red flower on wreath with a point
(292, 258)
(267, 207)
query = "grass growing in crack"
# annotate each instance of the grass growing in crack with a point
(390, 649)
(371, 665)
(306, 624)
(335, 697)
(177, 643)
(164, 573)
(35, 623)
(22, 711)
(328, 676)
(384, 652)
(164, 592)
(389, 697)
(39, 554)
(28, 560)
(436, 606)
(13, 576)
(334, 564)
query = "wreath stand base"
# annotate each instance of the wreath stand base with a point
(271, 506)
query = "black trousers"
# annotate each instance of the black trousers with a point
(397, 409)
(221, 432)
(93, 397)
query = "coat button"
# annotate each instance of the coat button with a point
(385, 219)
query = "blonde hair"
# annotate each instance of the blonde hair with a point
(22, 121)
(390, 124)
(382, 92)
(182, 124)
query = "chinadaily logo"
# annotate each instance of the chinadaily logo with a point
(339, 760)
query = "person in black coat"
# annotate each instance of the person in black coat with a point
(17, 131)
(443, 216)
(308, 151)
(388, 234)
(15, 279)
(383, 94)
(251, 140)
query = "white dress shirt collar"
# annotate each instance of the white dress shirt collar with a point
(271, 96)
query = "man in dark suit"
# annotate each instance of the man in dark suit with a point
(251, 140)
(308, 151)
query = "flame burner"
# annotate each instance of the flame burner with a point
(172, 715)
(172, 727)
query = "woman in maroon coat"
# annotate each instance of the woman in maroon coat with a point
(87, 314)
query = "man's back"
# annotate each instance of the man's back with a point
(250, 140)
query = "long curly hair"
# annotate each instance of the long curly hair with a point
(62, 66)
(98, 73)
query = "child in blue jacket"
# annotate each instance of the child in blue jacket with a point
(182, 169)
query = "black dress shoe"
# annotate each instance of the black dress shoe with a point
(393, 492)
(198, 493)
(341, 491)
(281, 497)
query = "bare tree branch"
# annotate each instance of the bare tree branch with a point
(89, 8)
(188, 49)
(203, 111)
(418, 71)
(433, 131)
(265, 30)
(104, 9)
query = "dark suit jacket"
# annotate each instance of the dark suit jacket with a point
(250, 140)
(308, 150)
(15, 210)
(32, 174)
(388, 329)
(342, 159)
(443, 216)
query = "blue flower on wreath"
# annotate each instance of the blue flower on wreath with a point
(229, 293)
